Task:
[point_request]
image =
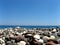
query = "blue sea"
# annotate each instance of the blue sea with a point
(10, 26)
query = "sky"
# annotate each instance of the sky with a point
(29, 12)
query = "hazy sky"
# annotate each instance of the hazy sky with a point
(30, 12)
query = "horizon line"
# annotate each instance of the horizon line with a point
(30, 25)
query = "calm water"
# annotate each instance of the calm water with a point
(6, 26)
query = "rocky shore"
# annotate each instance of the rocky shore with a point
(23, 36)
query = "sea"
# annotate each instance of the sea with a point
(28, 27)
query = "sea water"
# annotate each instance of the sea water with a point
(10, 26)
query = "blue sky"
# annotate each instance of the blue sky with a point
(30, 12)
